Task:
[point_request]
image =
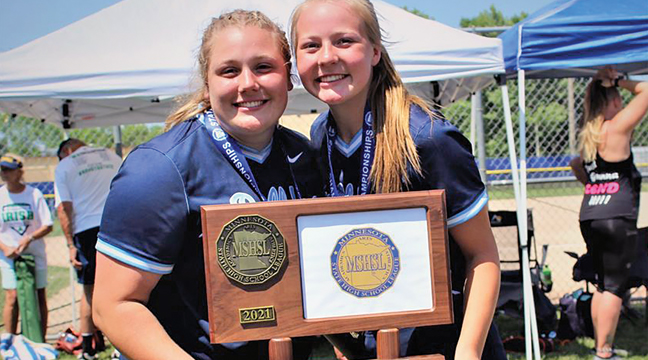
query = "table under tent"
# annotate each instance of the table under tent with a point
(570, 38)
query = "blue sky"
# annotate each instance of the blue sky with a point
(24, 20)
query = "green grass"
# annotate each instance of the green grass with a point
(631, 336)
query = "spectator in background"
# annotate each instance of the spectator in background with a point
(608, 215)
(82, 181)
(24, 220)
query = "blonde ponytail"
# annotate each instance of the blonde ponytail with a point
(597, 98)
(589, 138)
(190, 106)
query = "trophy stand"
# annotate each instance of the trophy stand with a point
(387, 347)
(280, 349)
(315, 266)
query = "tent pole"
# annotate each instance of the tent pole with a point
(478, 130)
(521, 218)
(530, 322)
(118, 140)
(473, 122)
(510, 138)
(516, 186)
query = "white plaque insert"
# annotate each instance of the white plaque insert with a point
(323, 289)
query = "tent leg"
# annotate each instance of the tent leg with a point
(118, 140)
(511, 143)
(521, 214)
(530, 321)
(477, 132)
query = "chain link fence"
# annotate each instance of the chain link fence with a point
(553, 107)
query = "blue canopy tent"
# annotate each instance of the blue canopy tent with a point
(568, 38)
(572, 38)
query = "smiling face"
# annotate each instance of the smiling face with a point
(247, 83)
(334, 57)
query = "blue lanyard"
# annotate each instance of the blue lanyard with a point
(231, 151)
(368, 147)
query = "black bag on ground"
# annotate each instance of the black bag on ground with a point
(575, 316)
(511, 301)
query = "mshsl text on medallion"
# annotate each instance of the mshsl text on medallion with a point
(365, 262)
(250, 249)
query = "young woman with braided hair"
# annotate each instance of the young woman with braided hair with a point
(223, 146)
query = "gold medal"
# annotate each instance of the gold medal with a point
(251, 249)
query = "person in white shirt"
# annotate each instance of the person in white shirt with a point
(82, 182)
(24, 220)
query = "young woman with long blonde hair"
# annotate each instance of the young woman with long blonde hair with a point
(378, 138)
(608, 215)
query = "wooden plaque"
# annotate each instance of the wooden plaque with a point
(268, 303)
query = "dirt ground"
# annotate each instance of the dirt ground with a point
(556, 225)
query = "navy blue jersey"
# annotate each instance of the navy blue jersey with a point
(446, 161)
(152, 216)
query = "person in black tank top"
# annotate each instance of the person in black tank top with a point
(608, 214)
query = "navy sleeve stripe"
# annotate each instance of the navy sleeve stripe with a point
(469, 212)
(132, 260)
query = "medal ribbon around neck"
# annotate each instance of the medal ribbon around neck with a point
(368, 147)
(231, 151)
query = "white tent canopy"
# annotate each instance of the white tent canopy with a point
(126, 63)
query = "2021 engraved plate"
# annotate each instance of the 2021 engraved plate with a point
(251, 249)
(257, 315)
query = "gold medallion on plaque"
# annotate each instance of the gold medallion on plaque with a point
(251, 249)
